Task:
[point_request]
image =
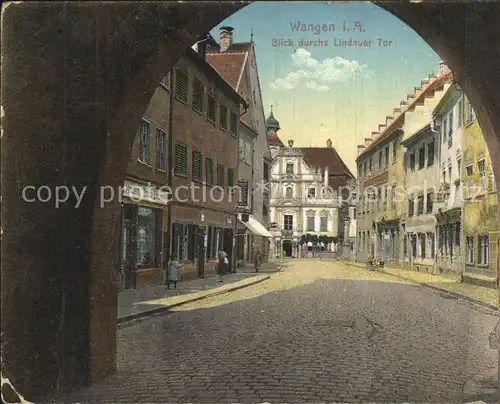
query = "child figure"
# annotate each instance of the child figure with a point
(173, 274)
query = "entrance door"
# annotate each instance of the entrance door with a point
(200, 253)
(287, 248)
(228, 246)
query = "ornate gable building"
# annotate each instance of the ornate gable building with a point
(305, 185)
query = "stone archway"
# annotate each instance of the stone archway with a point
(76, 78)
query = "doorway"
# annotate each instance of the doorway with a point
(287, 248)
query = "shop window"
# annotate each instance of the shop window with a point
(146, 236)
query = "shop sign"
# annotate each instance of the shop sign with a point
(146, 193)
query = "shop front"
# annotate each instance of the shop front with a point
(143, 220)
(198, 234)
(258, 236)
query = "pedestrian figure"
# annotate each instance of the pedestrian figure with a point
(221, 266)
(173, 275)
(257, 259)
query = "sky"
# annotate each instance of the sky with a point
(322, 91)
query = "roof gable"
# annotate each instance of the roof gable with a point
(326, 157)
(228, 65)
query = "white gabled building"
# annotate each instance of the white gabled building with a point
(305, 184)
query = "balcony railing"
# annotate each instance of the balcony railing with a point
(286, 233)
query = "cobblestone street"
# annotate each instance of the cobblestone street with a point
(317, 332)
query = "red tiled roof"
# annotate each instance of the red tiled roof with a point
(228, 65)
(238, 47)
(398, 122)
(324, 157)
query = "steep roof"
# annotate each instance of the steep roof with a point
(399, 121)
(237, 47)
(324, 157)
(228, 65)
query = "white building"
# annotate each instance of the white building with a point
(421, 142)
(449, 121)
(305, 185)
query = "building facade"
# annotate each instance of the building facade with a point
(480, 211)
(144, 206)
(384, 202)
(448, 119)
(245, 238)
(421, 146)
(305, 187)
(237, 63)
(421, 185)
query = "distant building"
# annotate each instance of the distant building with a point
(305, 183)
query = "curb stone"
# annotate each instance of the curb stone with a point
(158, 310)
(455, 294)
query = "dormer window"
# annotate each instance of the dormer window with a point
(289, 168)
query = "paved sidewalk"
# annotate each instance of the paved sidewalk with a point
(480, 294)
(135, 303)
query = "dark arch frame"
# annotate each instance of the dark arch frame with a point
(77, 77)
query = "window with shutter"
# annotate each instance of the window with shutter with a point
(223, 117)
(181, 84)
(198, 93)
(230, 177)
(220, 175)
(234, 124)
(209, 173)
(196, 166)
(161, 137)
(211, 108)
(180, 167)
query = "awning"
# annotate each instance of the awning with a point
(255, 227)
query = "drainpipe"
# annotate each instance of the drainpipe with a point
(170, 158)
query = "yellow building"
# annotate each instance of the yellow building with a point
(480, 216)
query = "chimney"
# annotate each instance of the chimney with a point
(389, 120)
(226, 38)
(443, 69)
(381, 127)
(368, 140)
(290, 143)
(325, 180)
(329, 143)
(375, 135)
(360, 149)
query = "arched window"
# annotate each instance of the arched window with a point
(289, 192)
